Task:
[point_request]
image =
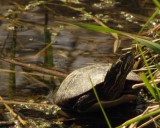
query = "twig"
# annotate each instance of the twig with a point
(142, 84)
(148, 110)
(23, 122)
(6, 123)
(37, 68)
(24, 103)
(149, 121)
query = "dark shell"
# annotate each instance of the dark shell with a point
(80, 81)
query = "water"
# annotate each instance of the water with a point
(73, 47)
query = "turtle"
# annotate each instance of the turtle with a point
(109, 80)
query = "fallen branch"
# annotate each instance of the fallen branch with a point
(34, 67)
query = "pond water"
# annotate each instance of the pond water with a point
(73, 47)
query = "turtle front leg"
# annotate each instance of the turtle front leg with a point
(88, 102)
(111, 103)
(84, 102)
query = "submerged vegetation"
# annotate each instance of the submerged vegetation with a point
(41, 41)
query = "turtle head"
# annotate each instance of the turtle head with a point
(116, 76)
(123, 65)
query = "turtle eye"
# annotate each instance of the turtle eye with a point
(118, 66)
(126, 56)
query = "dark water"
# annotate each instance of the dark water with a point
(73, 47)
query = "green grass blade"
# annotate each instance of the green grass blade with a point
(154, 46)
(150, 74)
(148, 85)
(96, 28)
(101, 107)
(149, 20)
(157, 3)
(156, 112)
